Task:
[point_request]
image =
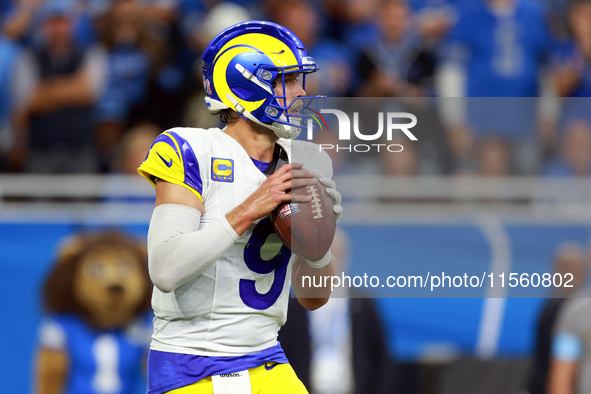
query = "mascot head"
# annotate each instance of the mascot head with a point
(103, 277)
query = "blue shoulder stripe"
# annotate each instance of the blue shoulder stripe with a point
(190, 163)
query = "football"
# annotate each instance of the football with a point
(307, 229)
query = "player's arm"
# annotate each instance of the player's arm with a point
(179, 250)
(562, 377)
(321, 271)
(566, 351)
(52, 371)
(303, 274)
(566, 80)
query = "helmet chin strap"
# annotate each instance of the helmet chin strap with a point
(281, 130)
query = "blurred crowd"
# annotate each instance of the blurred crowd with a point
(85, 85)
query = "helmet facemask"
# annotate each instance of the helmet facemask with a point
(287, 118)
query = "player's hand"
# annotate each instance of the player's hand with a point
(276, 190)
(331, 190)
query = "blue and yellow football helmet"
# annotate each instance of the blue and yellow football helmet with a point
(240, 65)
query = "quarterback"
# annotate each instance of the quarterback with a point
(221, 276)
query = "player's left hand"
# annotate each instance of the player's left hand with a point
(331, 190)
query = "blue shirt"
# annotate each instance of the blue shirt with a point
(332, 57)
(504, 53)
(129, 69)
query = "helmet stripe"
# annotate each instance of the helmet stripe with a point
(279, 53)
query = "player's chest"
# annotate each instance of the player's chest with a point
(230, 179)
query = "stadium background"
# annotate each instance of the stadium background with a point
(143, 76)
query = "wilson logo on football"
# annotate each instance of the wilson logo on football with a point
(288, 210)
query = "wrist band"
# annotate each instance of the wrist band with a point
(323, 262)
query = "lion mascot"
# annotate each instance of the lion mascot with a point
(95, 336)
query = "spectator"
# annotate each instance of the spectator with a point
(334, 59)
(220, 17)
(569, 259)
(9, 56)
(124, 34)
(173, 71)
(160, 12)
(493, 156)
(384, 64)
(57, 86)
(428, 155)
(571, 364)
(434, 17)
(340, 348)
(359, 17)
(129, 154)
(404, 162)
(23, 21)
(502, 46)
(505, 43)
(575, 152)
(134, 147)
(18, 18)
(573, 73)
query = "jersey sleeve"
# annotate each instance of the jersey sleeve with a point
(567, 347)
(172, 159)
(570, 328)
(52, 335)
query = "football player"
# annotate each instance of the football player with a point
(221, 281)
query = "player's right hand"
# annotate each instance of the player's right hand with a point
(276, 189)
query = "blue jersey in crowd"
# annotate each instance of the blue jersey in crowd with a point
(504, 51)
(129, 69)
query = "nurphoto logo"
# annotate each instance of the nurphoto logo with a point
(393, 125)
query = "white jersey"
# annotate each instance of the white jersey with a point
(238, 305)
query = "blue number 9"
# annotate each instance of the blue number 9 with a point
(252, 257)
